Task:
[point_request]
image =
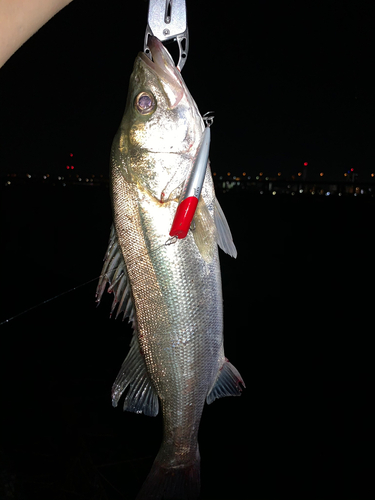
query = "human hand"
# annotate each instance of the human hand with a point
(20, 19)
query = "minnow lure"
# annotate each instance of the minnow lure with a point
(192, 189)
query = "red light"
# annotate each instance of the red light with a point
(305, 164)
(68, 167)
(352, 169)
(71, 154)
(72, 167)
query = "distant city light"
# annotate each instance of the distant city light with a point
(263, 183)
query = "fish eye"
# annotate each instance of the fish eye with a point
(145, 103)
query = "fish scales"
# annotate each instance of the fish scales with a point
(176, 357)
(177, 326)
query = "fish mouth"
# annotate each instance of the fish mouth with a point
(165, 69)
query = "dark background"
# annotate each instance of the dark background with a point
(298, 312)
(298, 299)
(289, 82)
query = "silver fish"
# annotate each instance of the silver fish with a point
(170, 292)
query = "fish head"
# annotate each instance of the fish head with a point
(161, 117)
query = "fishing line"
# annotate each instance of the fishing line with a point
(48, 300)
(170, 241)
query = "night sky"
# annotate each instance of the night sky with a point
(288, 82)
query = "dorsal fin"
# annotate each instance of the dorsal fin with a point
(114, 274)
(141, 397)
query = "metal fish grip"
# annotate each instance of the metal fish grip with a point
(167, 21)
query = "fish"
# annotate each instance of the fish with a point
(169, 289)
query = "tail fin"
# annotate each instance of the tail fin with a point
(174, 483)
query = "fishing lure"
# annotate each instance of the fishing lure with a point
(191, 191)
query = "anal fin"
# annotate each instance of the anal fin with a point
(227, 383)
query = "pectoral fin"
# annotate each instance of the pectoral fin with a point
(204, 231)
(207, 231)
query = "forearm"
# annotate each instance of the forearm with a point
(20, 19)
